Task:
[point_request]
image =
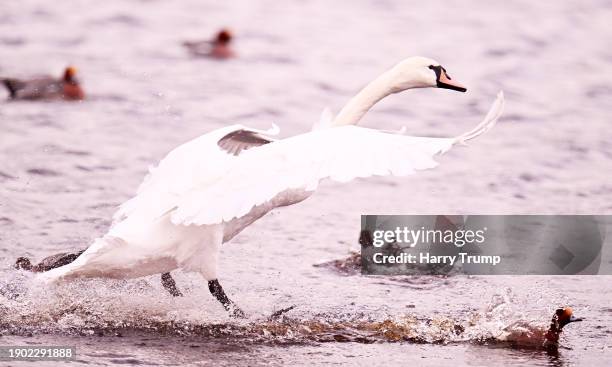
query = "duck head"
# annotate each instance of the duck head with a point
(70, 74)
(223, 37)
(562, 317)
(422, 72)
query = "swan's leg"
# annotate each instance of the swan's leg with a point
(168, 283)
(206, 262)
(217, 291)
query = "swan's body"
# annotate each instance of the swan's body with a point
(208, 190)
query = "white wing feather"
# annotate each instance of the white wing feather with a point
(198, 183)
(325, 121)
(302, 161)
(489, 121)
(192, 164)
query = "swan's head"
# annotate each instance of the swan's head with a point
(422, 72)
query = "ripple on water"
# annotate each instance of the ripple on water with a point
(119, 19)
(43, 172)
(94, 168)
(12, 41)
(5, 177)
(6, 221)
(80, 153)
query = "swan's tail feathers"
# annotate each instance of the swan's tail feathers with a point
(489, 121)
(325, 120)
(54, 275)
(87, 263)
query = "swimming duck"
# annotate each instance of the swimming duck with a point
(218, 48)
(525, 335)
(67, 87)
(562, 317)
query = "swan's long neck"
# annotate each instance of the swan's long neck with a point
(359, 105)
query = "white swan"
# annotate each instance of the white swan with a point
(204, 192)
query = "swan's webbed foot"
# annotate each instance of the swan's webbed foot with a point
(170, 285)
(217, 291)
(236, 312)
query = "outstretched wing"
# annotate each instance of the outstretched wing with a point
(196, 163)
(489, 121)
(300, 162)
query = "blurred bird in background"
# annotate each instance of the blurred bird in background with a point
(46, 87)
(219, 47)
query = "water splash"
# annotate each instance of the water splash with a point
(104, 307)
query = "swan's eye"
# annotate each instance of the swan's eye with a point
(437, 69)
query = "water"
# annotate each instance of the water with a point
(64, 167)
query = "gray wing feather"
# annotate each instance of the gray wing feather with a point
(239, 140)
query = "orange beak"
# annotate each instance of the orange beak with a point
(445, 81)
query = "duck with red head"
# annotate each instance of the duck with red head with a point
(67, 87)
(526, 335)
(219, 47)
(562, 317)
(71, 87)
